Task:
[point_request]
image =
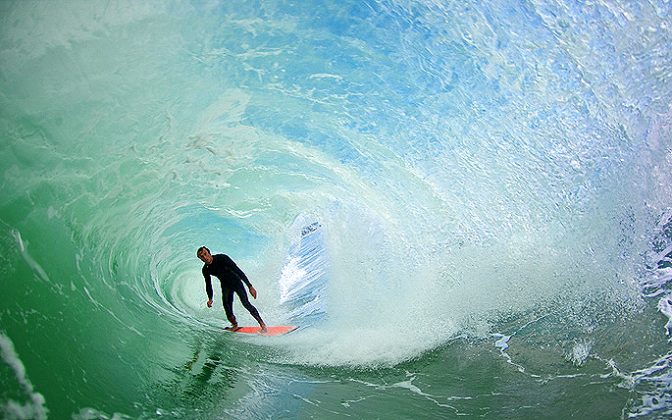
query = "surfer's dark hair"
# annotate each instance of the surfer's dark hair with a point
(201, 249)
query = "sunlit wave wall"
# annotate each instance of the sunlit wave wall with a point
(459, 162)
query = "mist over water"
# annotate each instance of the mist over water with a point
(464, 206)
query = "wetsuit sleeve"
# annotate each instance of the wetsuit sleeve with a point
(233, 267)
(208, 283)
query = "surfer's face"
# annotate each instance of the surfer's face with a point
(205, 256)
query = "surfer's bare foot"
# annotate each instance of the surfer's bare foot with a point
(233, 327)
(263, 329)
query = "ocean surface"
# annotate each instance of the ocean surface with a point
(465, 206)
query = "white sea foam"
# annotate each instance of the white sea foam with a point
(580, 352)
(35, 407)
(665, 307)
(23, 248)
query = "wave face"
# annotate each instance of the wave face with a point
(465, 206)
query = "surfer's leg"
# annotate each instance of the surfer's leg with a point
(227, 300)
(242, 295)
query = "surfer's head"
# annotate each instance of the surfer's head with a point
(204, 255)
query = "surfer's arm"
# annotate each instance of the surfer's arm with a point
(208, 286)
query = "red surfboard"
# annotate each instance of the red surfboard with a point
(274, 330)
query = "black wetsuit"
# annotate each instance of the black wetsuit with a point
(231, 279)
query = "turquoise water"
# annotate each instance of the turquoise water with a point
(466, 207)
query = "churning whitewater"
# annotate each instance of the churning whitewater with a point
(464, 206)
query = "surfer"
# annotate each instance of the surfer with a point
(231, 279)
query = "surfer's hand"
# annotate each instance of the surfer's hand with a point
(253, 292)
(210, 303)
